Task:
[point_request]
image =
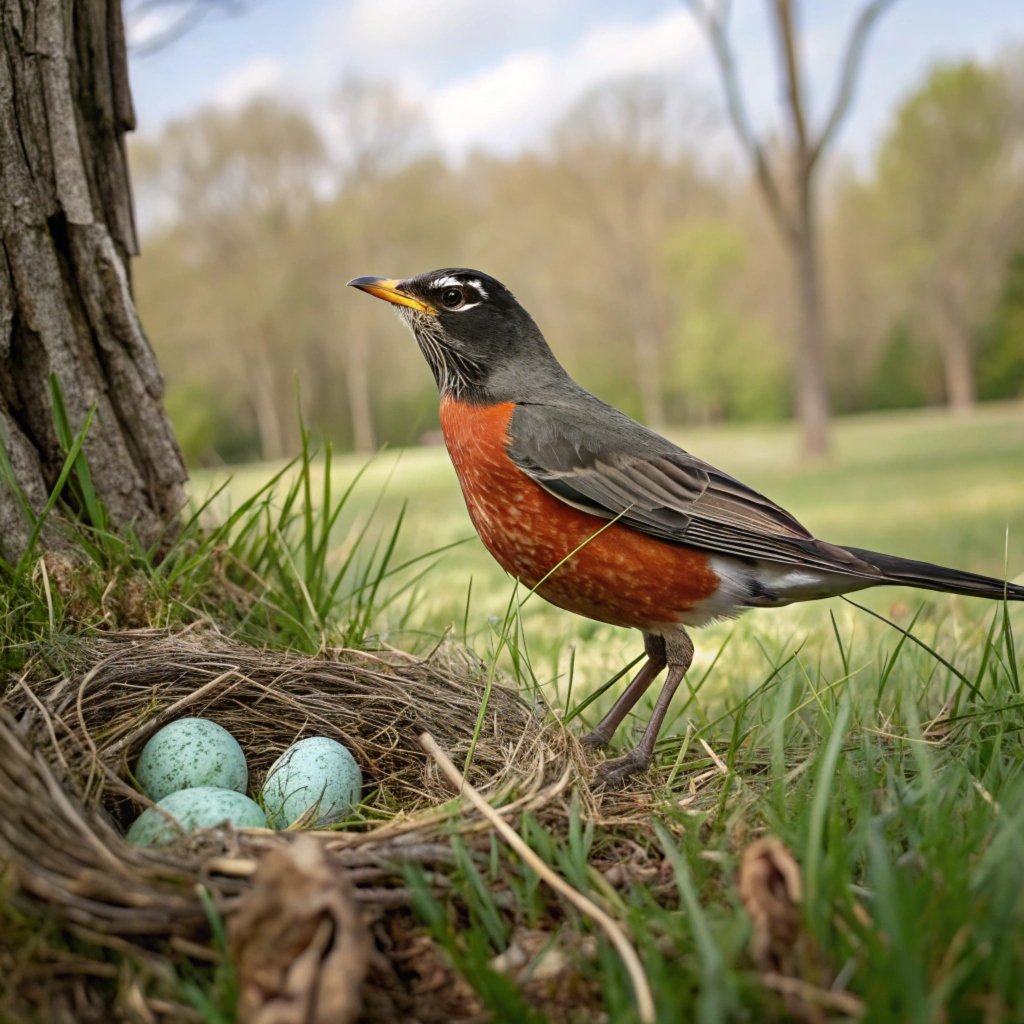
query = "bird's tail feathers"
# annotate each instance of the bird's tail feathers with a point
(909, 573)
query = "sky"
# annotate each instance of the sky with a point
(497, 76)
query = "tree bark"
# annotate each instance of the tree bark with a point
(67, 233)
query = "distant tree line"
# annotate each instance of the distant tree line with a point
(656, 275)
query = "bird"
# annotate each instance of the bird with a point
(604, 517)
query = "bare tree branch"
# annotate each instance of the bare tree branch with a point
(788, 43)
(714, 17)
(183, 16)
(852, 61)
(793, 205)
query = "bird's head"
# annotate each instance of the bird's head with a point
(478, 340)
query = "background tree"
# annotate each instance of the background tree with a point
(949, 204)
(237, 189)
(620, 171)
(791, 193)
(1001, 356)
(618, 232)
(67, 231)
(260, 222)
(726, 360)
(382, 133)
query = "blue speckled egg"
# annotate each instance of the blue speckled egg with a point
(317, 775)
(188, 753)
(195, 808)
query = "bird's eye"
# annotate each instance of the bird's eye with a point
(452, 298)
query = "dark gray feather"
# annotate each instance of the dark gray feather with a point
(595, 458)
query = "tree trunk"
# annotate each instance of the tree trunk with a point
(812, 400)
(648, 376)
(794, 211)
(269, 425)
(956, 345)
(66, 235)
(357, 383)
(958, 367)
(645, 333)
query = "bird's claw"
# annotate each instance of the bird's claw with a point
(594, 740)
(614, 773)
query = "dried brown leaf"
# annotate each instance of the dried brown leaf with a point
(297, 941)
(771, 889)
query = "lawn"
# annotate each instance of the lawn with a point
(889, 768)
(834, 825)
(918, 484)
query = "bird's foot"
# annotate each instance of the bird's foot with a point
(594, 740)
(614, 773)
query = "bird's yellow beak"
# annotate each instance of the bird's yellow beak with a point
(387, 288)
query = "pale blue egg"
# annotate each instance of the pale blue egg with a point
(188, 753)
(193, 809)
(316, 779)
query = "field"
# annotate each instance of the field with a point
(889, 768)
(917, 484)
(875, 750)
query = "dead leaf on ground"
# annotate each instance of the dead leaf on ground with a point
(771, 889)
(297, 941)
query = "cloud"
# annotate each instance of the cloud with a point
(429, 38)
(513, 103)
(499, 75)
(424, 27)
(499, 105)
(259, 76)
(658, 46)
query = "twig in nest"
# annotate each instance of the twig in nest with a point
(641, 986)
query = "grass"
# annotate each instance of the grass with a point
(917, 484)
(890, 766)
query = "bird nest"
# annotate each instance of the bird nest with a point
(71, 731)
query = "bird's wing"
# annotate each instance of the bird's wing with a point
(602, 462)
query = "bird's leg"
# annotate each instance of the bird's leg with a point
(654, 646)
(679, 650)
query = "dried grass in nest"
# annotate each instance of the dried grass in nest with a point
(68, 742)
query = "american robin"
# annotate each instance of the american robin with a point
(601, 515)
